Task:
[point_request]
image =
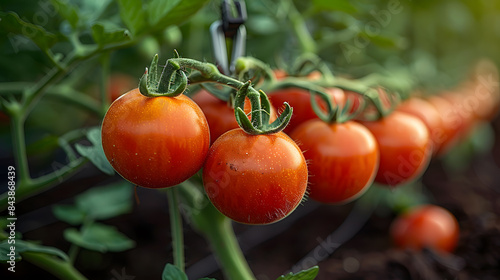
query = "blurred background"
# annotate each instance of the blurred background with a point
(434, 44)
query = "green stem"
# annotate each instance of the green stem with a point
(217, 229)
(176, 227)
(105, 96)
(73, 252)
(307, 43)
(19, 146)
(59, 268)
(225, 246)
(26, 188)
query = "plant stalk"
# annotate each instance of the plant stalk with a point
(176, 227)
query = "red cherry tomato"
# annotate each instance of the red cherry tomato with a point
(255, 179)
(405, 148)
(219, 114)
(343, 159)
(428, 114)
(300, 101)
(119, 84)
(426, 226)
(451, 121)
(155, 142)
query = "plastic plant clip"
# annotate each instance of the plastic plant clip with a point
(229, 27)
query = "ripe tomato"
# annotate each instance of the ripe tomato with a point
(219, 114)
(405, 147)
(428, 226)
(428, 114)
(119, 84)
(255, 179)
(300, 101)
(452, 124)
(343, 159)
(155, 142)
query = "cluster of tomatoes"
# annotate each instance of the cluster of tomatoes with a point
(259, 179)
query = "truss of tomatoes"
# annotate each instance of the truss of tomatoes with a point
(159, 142)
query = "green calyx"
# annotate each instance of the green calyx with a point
(170, 83)
(261, 112)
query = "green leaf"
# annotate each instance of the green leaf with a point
(164, 13)
(24, 247)
(99, 237)
(334, 5)
(11, 23)
(205, 278)
(133, 15)
(69, 214)
(103, 36)
(106, 202)
(95, 153)
(47, 143)
(172, 272)
(67, 11)
(307, 274)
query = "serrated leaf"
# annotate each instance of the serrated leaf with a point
(24, 247)
(172, 272)
(95, 153)
(67, 11)
(162, 13)
(11, 23)
(69, 214)
(106, 202)
(99, 237)
(103, 36)
(133, 15)
(307, 274)
(334, 5)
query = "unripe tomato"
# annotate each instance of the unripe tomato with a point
(255, 179)
(300, 101)
(155, 142)
(220, 115)
(343, 159)
(405, 148)
(427, 226)
(428, 114)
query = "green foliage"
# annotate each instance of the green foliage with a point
(11, 23)
(28, 247)
(99, 237)
(98, 203)
(172, 272)
(307, 274)
(95, 153)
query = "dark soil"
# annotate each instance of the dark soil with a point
(472, 195)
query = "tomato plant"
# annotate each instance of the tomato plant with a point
(343, 159)
(255, 179)
(426, 226)
(155, 142)
(219, 114)
(405, 147)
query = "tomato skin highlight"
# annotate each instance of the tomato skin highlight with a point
(343, 159)
(426, 226)
(155, 142)
(405, 148)
(220, 116)
(255, 179)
